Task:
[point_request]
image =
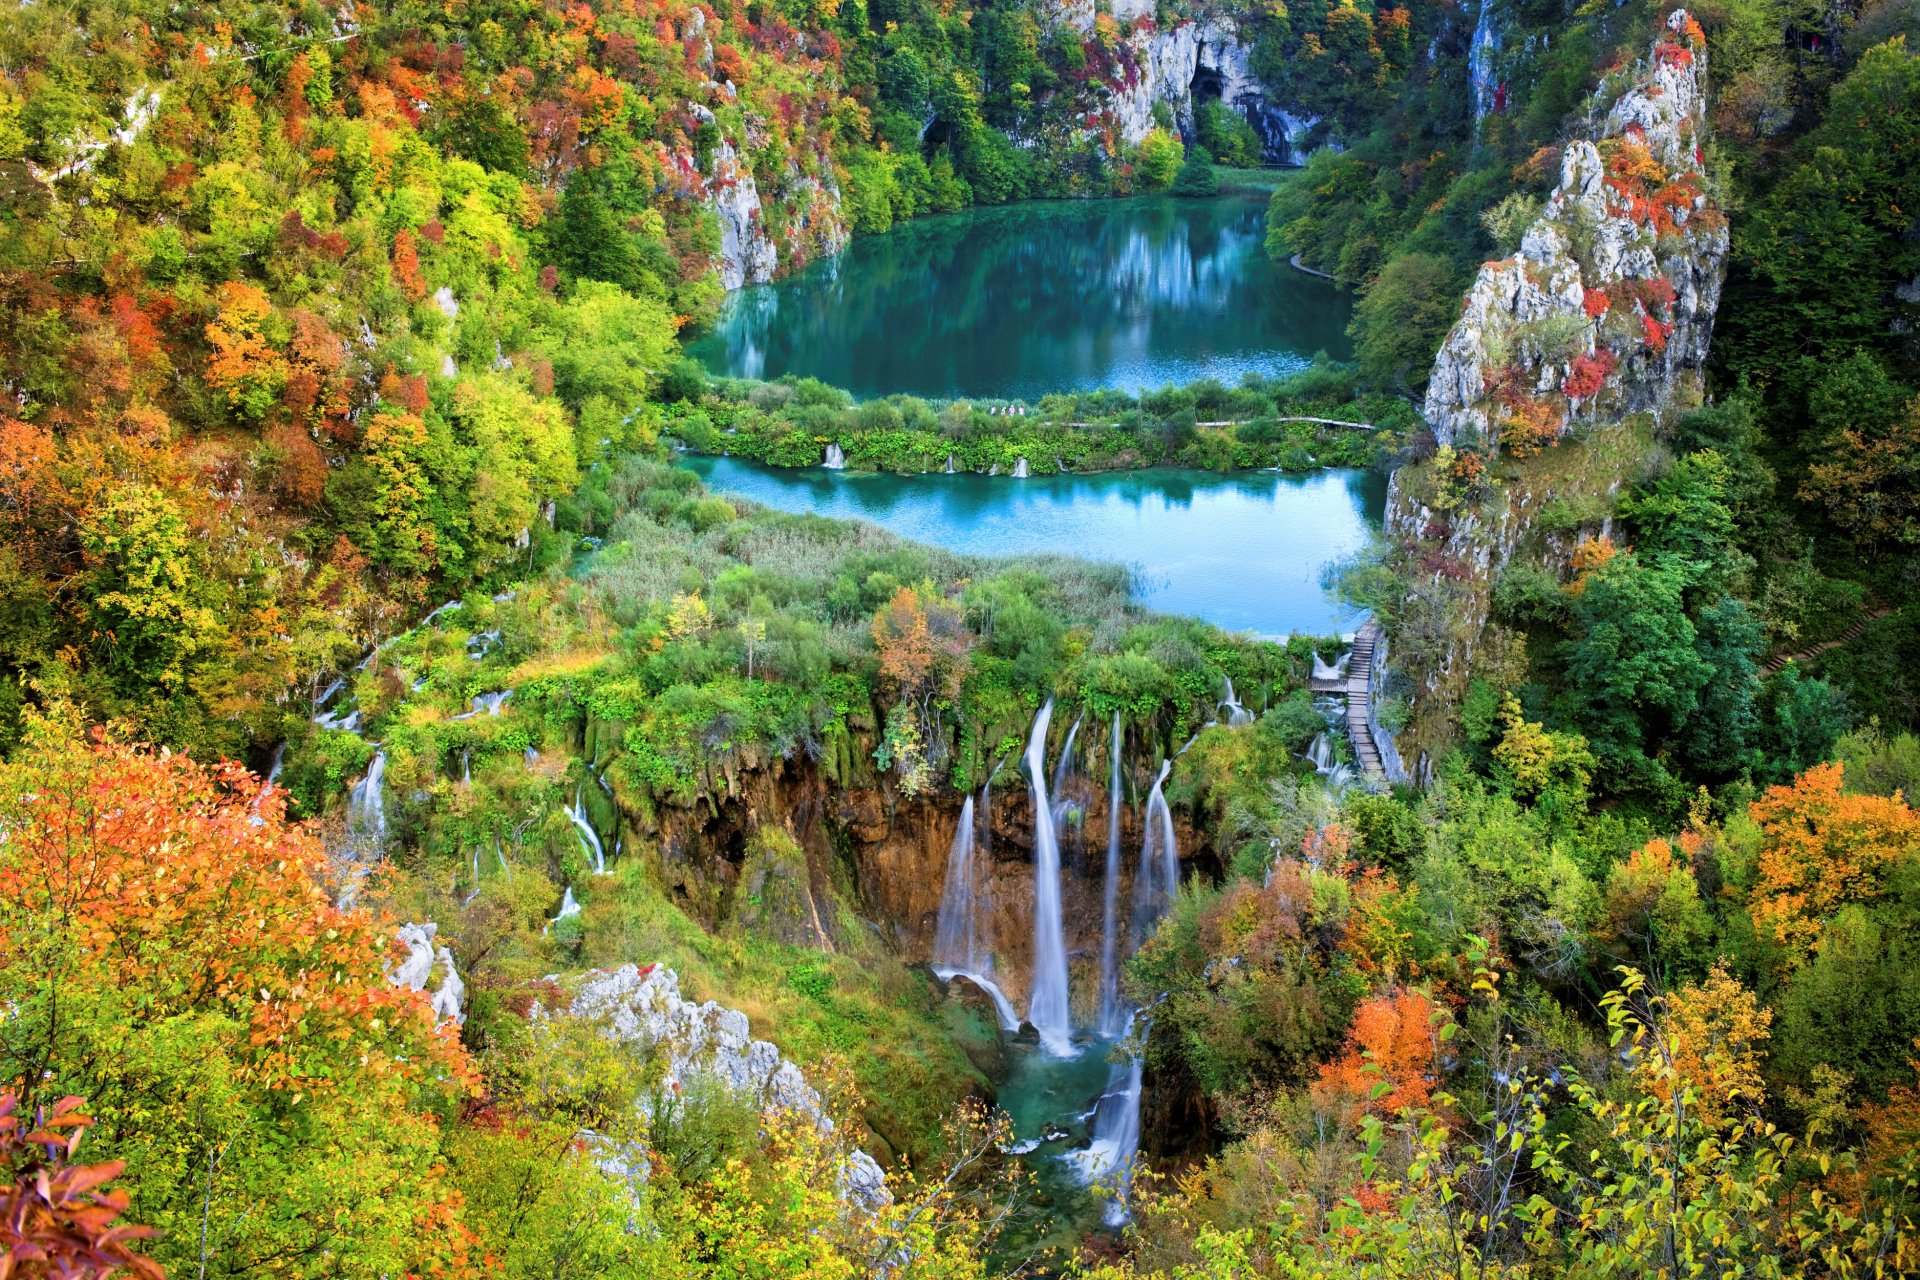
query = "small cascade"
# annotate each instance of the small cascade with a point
(836, 459)
(367, 803)
(1067, 807)
(1481, 51)
(589, 838)
(569, 906)
(475, 891)
(491, 702)
(500, 854)
(466, 765)
(951, 469)
(1112, 1011)
(1116, 1134)
(1236, 714)
(529, 757)
(1157, 879)
(1020, 469)
(1335, 670)
(1002, 1007)
(277, 763)
(1337, 774)
(1048, 1008)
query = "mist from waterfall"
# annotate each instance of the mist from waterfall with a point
(1048, 1009)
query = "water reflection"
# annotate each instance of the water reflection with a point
(1042, 297)
(1243, 551)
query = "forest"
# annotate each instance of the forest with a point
(439, 837)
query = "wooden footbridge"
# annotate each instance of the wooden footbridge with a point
(1356, 688)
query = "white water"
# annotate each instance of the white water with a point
(1002, 1007)
(275, 765)
(1338, 775)
(1048, 1010)
(950, 467)
(956, 938)
(1112, 1011)
(1481, 52)
(1020, 469)
(367, 803)
(1158, 877)
(589, 838)
(1236, 714)
(1335, 670)
(1116, 1135)
(569, 906)
(836, 458)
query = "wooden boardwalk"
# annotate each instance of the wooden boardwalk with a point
(1808, 654)
(1359, 686)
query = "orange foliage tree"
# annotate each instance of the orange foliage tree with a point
(169, 949)
(1394, 1042)
(1824, 849)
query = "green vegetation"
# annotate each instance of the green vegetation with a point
(1205, 425)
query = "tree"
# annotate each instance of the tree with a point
(55, 1220)
(1196, 176)
(244, 364)
(1633, 664)
(1160, 156)
(1823, 849)
(1401, 319)
(1388, 1064)
(169, 948)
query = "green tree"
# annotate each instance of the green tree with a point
(1159, 161)
(1196, 176)
(1401, 319)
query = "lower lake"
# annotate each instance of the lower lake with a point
(1244, 551)
(1060, 295)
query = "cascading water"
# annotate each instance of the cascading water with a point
(836, 458)
(367, 804)
(1481, 52)
(1048, 1009)
(274, 766)
(569, 906)
(589, 838)
(1066, 809)
(1335, 670)
(1158, 877)
(1020, 469)
(956, 938)
(1236, 714)
(950, 467)
(1112, 1009)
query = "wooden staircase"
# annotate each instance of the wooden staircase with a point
(1359, 688)
(1808, 654)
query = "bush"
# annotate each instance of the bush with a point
(1197, 177)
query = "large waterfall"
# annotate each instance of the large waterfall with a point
(1048, 1008)
(1113, 1013)
(959, 948)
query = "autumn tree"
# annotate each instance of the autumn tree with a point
(1824, 848)
(924, 648)
(1388, 1062)
(58, 1218)
(169, 948)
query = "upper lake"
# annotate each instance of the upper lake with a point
(1014, 302)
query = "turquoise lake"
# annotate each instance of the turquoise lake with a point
(1245, 551)
(1018, 301)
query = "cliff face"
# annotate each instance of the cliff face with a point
(1191, 60)
(1608, 307)
(1596, 331)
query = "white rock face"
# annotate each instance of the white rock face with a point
(415, 973)
(642, 1007)
(1170, 59)
(1589, 238)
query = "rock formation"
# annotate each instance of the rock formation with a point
(641, 1007)
(1605, 313)
(1608, 306)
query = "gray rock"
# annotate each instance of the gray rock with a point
(415, 973)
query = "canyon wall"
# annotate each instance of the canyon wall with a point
(1590, 338)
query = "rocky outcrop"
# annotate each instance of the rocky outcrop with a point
(1187, 62)
(1608, 307)
(641, 1007)
(1605, 313)
(424, 958)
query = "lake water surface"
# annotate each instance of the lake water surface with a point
(1244, 551)
(1060, 295)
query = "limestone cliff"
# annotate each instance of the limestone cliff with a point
(1567, 357)
(1192, 59)
(1608, 306)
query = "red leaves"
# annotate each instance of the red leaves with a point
(1656, 333)
(1595, 303)
(1588, 374)
(54, 1220)
(1394, 1041)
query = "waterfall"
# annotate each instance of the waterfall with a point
(1048, 1008)
(1481, 52)
(1116, 1133)
(475, 892)
(1158, 877)
(1020, 469)
(466, 765)
(529, 756)
(1112, 1014)
(950, 467)
(836, 459)
(1338, 775)
(274, 765)
(1236, 714)
(500, 854)
(367, 803)
(956, 939)
(1063, 768)
(1335, 670)
(1064, 807)
(569, 906)
(589, 838)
